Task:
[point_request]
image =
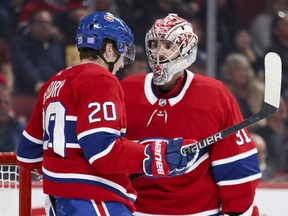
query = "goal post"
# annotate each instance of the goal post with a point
(15, 186)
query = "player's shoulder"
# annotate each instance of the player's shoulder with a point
(91, 73)
(208, 83)
(139, 78)
(88, 76)
(205, 80)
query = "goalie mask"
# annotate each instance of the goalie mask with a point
(179, 34)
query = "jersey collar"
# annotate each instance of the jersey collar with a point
(151, 95)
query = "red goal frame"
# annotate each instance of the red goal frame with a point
(25, 182)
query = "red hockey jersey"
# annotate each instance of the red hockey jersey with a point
(224, 175)
(75, 135)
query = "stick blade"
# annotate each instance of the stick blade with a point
(273, 79)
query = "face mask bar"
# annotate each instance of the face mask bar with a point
(128, 52)
(159, 56)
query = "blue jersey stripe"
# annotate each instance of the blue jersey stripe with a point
(31, 151)
(70, 132)
(96, 143)
(238, 169)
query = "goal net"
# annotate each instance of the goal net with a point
(15, 187)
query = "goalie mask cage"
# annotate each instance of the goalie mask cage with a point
(15, 187)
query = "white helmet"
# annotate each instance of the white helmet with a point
(179, 32)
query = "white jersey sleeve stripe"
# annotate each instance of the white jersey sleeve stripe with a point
(102, 154)
(96, 130)
(32, 139)
(240, 181)
(26, 160)
(234, 158)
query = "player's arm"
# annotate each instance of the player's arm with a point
(101, 127)
(30, 148)
(235, 164)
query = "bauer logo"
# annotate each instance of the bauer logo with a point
(158, 158)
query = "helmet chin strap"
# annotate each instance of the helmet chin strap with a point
(110, 64)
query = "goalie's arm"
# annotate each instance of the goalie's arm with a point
(273, 78)
(266, 111)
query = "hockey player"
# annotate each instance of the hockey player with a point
(75, 136)
(174, 102)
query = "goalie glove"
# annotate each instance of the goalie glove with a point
(163, 158)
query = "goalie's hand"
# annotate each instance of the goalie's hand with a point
(165, 159)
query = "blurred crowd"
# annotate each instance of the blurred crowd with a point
(37, 39)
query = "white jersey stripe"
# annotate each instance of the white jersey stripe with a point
(102, 154)
(198, 162)
(26, 160)
(90, 178)
(96, 130)
(71, 118)
(32, 139)
(240, 181)
(234, 158)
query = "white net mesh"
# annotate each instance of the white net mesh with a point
(9, 190)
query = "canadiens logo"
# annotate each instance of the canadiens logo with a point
(109, 18)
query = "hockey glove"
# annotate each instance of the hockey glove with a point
(164, 158)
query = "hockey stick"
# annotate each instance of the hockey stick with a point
(273, 74)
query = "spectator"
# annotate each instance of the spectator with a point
(262, 156)
(275, 133)
(239, 77)
(10, 127)
(226, 26)
(9, 14)
(2, 80)
(53, 6)
(200, 65)
(67, 22)
(247, 10)
(283, 174)
(194, 8)
(242, 44)
(280, 43)
(261, 26)
(6, 65)
(36, 56)
(145, 12)
(67, 32)
(110, 6)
